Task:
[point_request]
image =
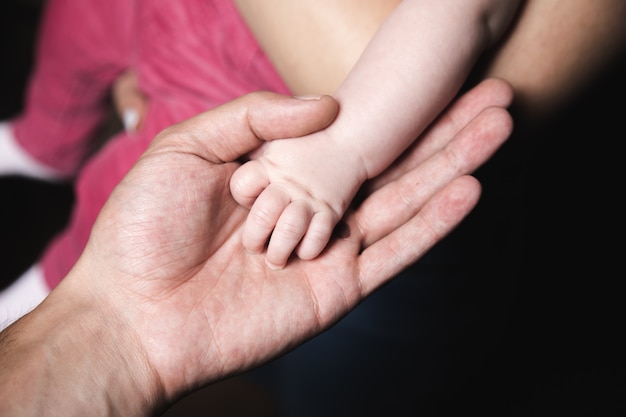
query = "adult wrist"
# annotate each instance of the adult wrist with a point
(71, 356)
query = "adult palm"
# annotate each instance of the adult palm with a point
(203, 308)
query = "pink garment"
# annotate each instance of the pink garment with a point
(83, 46)
(190, 56)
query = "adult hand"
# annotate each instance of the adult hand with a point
(172, 234)
(470, 111)
(174, 300)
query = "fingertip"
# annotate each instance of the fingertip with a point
(504, 88)
(274, 266)
(130, 120)
(290, 117)
(500, 91)
(317, 236)
(276, 257)
(251, 250)
(253, 242)
(247, 183)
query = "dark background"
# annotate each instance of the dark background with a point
(30, 212)
(545, 320)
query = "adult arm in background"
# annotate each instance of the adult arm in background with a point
(551, 52)
(164, 299)
(555, 51)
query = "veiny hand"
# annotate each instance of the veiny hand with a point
(166, 258)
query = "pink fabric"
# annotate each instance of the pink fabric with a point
(83, 46)
(190, 56)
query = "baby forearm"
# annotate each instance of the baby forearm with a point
(410, 71)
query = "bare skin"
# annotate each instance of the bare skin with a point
(170, 297)
(545, 56)
(549, 54)
(298, 190)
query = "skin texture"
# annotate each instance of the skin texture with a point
(570, 59)
(549, 54)
(545, 56)
(170, 297)
(326, 37)
(298, 190)
(552, 53)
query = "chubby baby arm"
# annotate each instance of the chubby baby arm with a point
(297, 191)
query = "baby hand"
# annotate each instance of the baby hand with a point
(297, 191)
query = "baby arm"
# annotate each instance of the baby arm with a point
(299, 189)
(297, 193)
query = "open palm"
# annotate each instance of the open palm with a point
(199, 303)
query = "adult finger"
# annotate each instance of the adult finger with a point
(392, 205)
(388, 256)
(489, 93)
(229, 131)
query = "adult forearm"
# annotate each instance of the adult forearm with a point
(554, 50)
(67, 358)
